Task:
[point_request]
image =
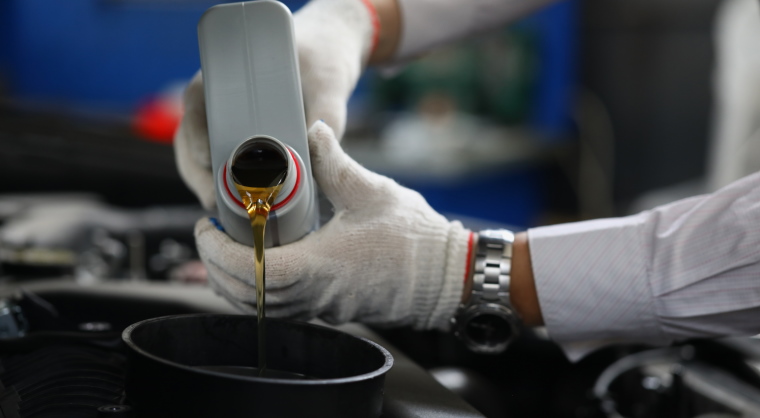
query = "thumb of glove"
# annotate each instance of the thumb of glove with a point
(344, 181)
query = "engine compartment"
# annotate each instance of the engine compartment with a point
(61, 354)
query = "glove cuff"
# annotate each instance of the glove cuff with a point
(436, 304)
(359, 17)
(375, 20)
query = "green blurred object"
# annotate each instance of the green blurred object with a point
(493, 77)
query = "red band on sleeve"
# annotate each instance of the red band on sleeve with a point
(375, 25)
(469, 258)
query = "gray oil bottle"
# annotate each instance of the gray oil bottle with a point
(253, 93)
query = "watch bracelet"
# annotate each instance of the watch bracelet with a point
(492, 271)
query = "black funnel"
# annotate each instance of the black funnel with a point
(165, 378)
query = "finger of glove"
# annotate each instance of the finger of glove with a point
(191, 145)
(320, 104)
(197, 177)
(344, 181)
(243, 295)
(297, 312)
(239, 293)
(229, 260)
(231, 274)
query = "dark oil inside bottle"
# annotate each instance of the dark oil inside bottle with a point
(258, 171)
(259, 165)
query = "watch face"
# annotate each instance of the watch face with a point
(488, 328)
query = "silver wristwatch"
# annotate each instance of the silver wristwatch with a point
(487, 323)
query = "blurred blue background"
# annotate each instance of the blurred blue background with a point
(112, 57)
(113, 53)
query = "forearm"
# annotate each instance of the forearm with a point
(523, 294)
(412, 27)
(683, 270)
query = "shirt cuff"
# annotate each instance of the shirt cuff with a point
(592, 283)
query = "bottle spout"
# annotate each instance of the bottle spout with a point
(262, 162)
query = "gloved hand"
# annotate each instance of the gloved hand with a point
(385, 258)
(334, 39)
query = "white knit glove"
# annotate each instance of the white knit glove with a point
(385, 258)
(334, 40)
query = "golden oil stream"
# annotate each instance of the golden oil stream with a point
(258, 202)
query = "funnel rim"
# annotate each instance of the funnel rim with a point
(380, 371)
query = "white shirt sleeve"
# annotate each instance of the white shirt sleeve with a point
(687, 269)
(430, 23)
